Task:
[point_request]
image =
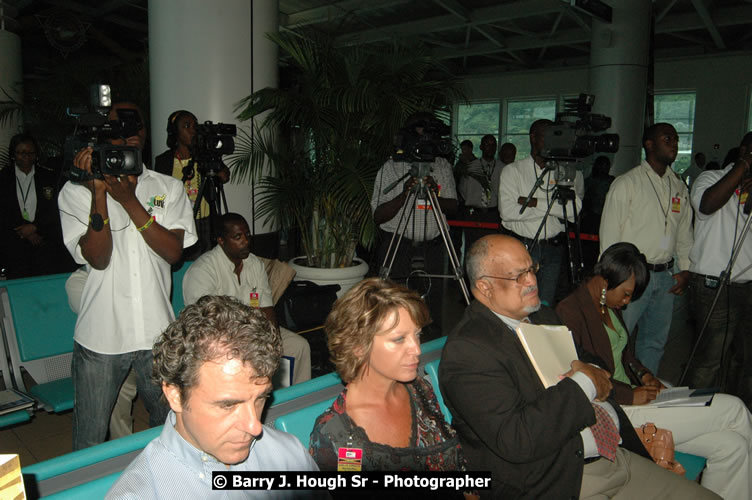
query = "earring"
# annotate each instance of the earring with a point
(603, 300)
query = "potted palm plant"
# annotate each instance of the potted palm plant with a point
(325, 132)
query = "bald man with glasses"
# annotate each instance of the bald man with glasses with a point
(537, 442)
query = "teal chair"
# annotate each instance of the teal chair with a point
(91, 490)
(39, 328)
(286, 394)
(432, 370)
(13, 418)
(300, 422)
(89, 456)
(177, 287)
(693, 464)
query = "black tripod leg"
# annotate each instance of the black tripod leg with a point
(444, 231)
(407, 210)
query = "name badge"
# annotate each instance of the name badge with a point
(676, 204)
(255, 299)
(349, 460)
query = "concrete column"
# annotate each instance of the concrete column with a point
(619, 54)
(11, 72)
(205, 57)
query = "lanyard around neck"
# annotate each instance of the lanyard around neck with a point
(25, 195)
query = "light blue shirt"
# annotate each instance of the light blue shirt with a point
(170, 467)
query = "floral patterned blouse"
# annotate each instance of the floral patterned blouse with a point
(434, 445)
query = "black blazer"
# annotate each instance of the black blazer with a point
(508, 423)
(46, 218)
(163, 163)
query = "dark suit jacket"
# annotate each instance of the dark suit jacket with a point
(163, 163)
(582, 317)
(526, 435)
(46, 218)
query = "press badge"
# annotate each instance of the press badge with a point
(349, 459)
(676, 204)
(255, 299)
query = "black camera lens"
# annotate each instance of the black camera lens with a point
(114, 160)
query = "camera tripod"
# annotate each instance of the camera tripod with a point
(212, 191)
(407, 213)
(724, 281)
(563, 194)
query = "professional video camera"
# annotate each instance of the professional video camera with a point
(574, 133)
(95, 130)
(213, 140)
(410, 146)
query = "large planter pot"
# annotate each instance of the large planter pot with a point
(345, 277)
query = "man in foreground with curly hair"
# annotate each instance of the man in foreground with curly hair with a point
(214, 364)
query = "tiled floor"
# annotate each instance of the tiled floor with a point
(49, 435)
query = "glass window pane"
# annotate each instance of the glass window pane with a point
(521, 114)
(482, 118)
(521, 142)
(676, 109)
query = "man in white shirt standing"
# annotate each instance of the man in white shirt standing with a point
(649, 207)
(421, 250)
(517, 179)
(718, 198)
(128, 230)
(231, 269)
(480, 191)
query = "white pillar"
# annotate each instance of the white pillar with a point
(205, 57)
(11, 72)
(619, 54)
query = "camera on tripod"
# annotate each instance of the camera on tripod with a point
(574, 134)
(213, 140)
(94, 130)
(433, 141)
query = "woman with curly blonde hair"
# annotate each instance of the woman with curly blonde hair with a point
(387, 418)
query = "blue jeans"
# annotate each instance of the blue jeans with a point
(96, 381)
(652, 314)
(551, 258)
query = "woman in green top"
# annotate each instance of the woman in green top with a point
(593, 314)
(721, 432)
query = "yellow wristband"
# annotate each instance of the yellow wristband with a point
(146, 225)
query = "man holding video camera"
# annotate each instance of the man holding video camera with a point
(718, 198)
(516, 181)
(128, 230)
(421, 247)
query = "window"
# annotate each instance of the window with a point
(678, 109)
(520, 114)
(476, 120)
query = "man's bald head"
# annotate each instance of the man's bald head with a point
(493, 264)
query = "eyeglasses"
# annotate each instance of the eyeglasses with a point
(520, 278)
